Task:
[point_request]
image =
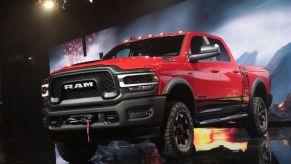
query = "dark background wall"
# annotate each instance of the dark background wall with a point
(20, 96)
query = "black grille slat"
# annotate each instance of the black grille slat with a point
(87, 92)
(104, 79)
(107, 81)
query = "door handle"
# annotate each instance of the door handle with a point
(235, 71)
(214, 71)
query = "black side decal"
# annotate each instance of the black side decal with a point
(168, 59)
(246, 85)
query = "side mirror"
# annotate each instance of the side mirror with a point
(206, 51)
(101, 55)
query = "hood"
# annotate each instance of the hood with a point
(122, 63)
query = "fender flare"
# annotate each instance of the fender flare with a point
(255, 85)
(176, 81)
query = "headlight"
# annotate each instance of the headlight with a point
(44, 90)
(138, 81)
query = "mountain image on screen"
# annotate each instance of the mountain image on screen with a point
(281, 111)
(280, 69)
(280, 75)
(248, 58)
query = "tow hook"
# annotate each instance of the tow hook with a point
(82, 119)
(88, 123)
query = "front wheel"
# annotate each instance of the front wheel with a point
(177, 137)
(76, 153)
(257, 121)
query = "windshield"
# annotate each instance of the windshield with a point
(163, 46)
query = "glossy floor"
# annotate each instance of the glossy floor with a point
(213, 145)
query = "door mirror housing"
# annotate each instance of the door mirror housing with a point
(206, 51)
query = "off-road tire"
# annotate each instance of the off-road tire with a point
(76, 153)
(175, 132)
(257, 121)
(259, 150)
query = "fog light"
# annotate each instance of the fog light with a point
(109, 94)
(139, 112)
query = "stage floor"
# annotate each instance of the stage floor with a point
(213, 145)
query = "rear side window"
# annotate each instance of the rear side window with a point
(223, 56)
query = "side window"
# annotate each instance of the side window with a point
(196, 43)
(123, 53)
(223, 56)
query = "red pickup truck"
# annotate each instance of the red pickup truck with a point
(157, 87)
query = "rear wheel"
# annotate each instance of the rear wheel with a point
(76, 153)
(177, 137)
(259, 149)
(257, 121)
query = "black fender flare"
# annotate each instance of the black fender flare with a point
(175, 81)
(178, 81)
(257, 82)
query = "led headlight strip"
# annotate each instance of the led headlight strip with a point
(138, 81)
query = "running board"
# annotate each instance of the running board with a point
(223, 119)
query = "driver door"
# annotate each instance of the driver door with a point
(205, 78)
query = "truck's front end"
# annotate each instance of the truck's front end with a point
(117, 97)
(117, 103)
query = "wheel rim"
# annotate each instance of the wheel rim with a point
(262, 115)
(182, 131)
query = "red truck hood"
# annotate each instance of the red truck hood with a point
(123, 63)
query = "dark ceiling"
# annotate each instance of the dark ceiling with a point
(26, 29)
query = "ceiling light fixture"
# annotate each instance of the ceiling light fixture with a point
(49, 5)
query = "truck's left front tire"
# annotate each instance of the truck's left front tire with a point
(177, 137)
(76, 153)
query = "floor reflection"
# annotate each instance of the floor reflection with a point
(210, 138)
(213, 145)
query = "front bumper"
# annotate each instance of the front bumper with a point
(122, 128)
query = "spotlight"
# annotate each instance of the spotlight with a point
(49, 4)
(91, 1)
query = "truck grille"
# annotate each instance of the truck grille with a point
(104, 78)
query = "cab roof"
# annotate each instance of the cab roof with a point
(135, 38)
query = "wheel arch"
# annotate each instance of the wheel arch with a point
(179, 89)
(259, 90)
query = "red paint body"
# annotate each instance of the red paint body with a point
(208, 79)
